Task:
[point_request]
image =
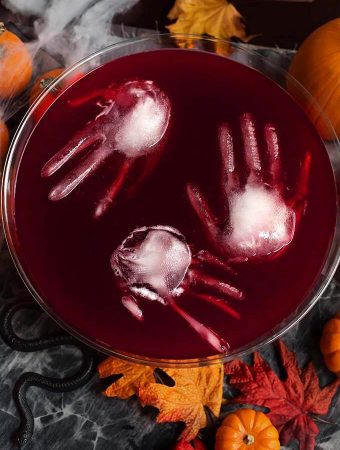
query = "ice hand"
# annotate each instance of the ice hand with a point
(133, 120)
(260, 220)
(156, 264)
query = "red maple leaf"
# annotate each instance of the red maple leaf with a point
(292, 402)
(196, 444)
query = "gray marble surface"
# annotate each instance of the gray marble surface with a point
(86, 420)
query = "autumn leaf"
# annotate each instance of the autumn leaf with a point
(177, 9)
(196, 444)
(194, 389)
(291, 402)
(134, 376)
(216, 18)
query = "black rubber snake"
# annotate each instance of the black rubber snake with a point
(82, 376)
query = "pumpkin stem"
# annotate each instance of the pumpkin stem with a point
(45, 82)
(249, 439)
(2, 28)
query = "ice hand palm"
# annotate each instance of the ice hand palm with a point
(260, 222)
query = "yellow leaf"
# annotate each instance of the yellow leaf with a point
(134, 376)
(176, 10)
(216, 18)
(194, 389)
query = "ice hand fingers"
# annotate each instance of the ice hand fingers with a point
(222, 288)
(300, 198)
(201, 208)
(113, 191)
(69, 151)
(130, 303)
(79, 174)
(251, 150)
(273, 150)
(210, 336)
(229, 178)
(219, 303)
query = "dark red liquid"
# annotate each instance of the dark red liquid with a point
(66, 253)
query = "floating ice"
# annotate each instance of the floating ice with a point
(144, 126)
(153, 261)
(134, 118)
(260, 221)
(132, 306)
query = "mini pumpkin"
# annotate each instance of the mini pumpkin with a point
(43, 82)
(40, 84)
(15, 64)
(316, 66)
(4, 140)
(330, 344)
(246, 429)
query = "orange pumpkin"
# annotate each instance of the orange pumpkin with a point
(42, 82)
(246, 429)
(15, 64)
(330, 344)
(4, 140)
(316, 66)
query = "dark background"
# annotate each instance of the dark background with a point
(279, 23)
(282, 23)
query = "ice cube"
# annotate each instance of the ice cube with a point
(145, 124)
(157, 257)
(260, 222)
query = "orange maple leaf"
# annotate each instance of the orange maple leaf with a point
(133, 377)
(194, 389)
(217, 18)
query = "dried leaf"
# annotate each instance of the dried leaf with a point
(216, 18)
(134, 376)
(291, 402)
(194, 389)
(177, 9)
